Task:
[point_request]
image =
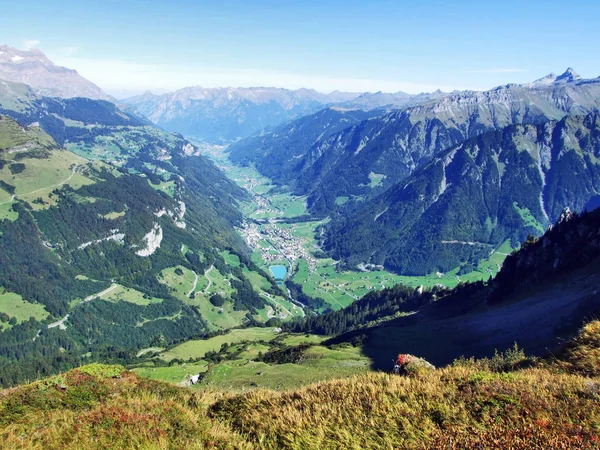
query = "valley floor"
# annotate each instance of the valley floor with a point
(275, 241)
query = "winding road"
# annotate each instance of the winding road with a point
(209, 280)
(61, 323)
(12, 198)
(195, 284)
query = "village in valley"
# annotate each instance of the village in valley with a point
(287, 246)
(277, 238)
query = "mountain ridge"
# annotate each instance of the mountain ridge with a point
(32, 67)
(517, 188)
(394, 144)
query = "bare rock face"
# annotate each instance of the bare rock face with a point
(566, 215)
(32, 67)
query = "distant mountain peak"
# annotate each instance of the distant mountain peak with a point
(32, 67)
(552, 79)
(568, 76)
(545, 81)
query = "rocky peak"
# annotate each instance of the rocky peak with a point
(33, 68)
(15, 56)
(569, 76)
(544, 81)
(552, 79)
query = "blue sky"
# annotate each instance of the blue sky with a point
(130, 46)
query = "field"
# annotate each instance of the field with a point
(218, 318)
(290, 206)
(14, 306)
(125, 294)
(7, 212)
(198, 348)
(168, 187)
(177, 374)
(231, 259)
(114, 215)
(340, 289)
(181, 280)
(40, 177)
(182, 285)
(318, 364)
(241, 371)
(376, 179)
(528, 219)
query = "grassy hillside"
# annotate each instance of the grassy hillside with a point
(92, 240)
(469, 405)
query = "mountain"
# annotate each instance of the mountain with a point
(227, 114)
(396, 100)
(370, 156)
(455, 210)
(114, 236)
(276, 150)
(542, 294)
(568, 76)
(33, 68)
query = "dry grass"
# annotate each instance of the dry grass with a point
(456, 407)
(583, 353)
(99, 409)
(466, 406)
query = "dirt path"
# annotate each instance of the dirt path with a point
(195, 284)
(100, 294)
(61, 323)
(208, 278)
(73, 172)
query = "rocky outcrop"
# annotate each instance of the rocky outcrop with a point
(153, 239)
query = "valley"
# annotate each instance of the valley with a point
(299, 225)
(279, 230)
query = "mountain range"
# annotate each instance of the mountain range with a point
(391, 146)
(503, 184)
(224, 115)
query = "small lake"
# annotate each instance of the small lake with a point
(278, 272)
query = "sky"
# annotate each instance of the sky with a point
(127, 47)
